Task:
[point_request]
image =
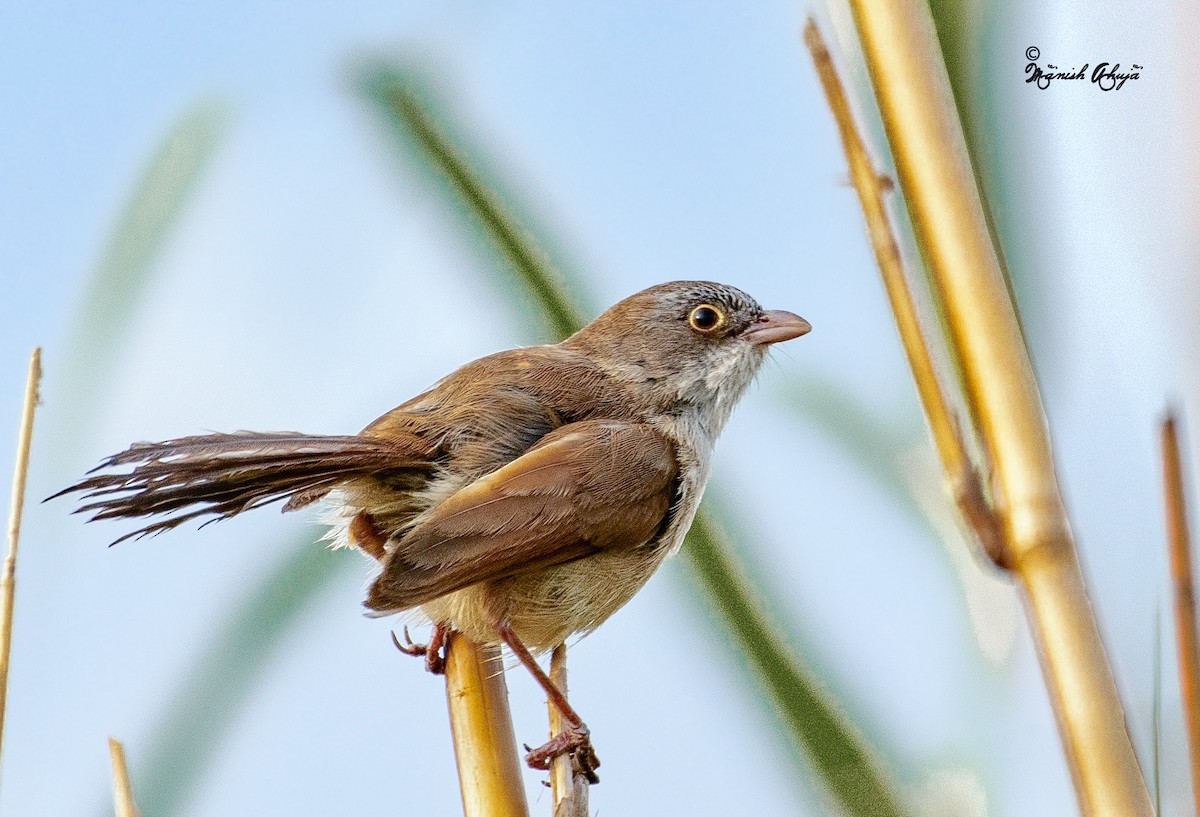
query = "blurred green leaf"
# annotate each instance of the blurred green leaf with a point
(225, 675)
(121, 280)
(812, 720)
(811, 716)
(958, 31)
(415, 120)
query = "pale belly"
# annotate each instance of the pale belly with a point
(547, 606)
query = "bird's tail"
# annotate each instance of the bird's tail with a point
(224, 474)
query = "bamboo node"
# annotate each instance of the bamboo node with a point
(980, 517)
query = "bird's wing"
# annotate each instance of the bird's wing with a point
(584, 487)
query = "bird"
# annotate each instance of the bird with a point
(522, 499)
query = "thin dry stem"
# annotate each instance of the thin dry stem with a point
(8, 581)
(568, 785)
(965, 483)
(1184, 594)
(485, 747)
(904, 59)
(122, 788)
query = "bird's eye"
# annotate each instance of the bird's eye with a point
(706, 318)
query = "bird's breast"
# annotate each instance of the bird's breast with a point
(693, 447)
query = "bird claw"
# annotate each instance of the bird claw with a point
(434, 662)
(408, 647)
(573, 741)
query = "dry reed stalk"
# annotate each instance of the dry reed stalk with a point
(122, 788)
(568, 786)
(485, 747)
(8, 581)
(965, 484)
(1183, 595)
(904, 60)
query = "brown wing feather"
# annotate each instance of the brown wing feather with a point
(560, 501)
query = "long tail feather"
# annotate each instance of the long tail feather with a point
(224, 474)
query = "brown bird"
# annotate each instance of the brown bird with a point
(522, 499)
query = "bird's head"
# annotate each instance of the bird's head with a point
(686, 343)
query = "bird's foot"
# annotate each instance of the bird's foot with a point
(575, 741)
(435, 662)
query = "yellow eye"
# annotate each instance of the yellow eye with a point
(706, 318)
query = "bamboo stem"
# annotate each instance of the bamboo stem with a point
(8, 580)
(904, 60)
(122, 788)
(560, 767)
(871, 185)
(568, 786)
(485, 747)
(1184, 594)
(966, 486)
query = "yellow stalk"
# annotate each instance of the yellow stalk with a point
(1184, 595)
(122, 788)
(485, 746)
(905, 64)
(965, 484)
(568, 787)
(8, 581)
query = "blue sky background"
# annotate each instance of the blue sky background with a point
(314, 281)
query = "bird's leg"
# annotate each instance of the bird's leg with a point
(575, 739)
(435, 662)
(365, 534)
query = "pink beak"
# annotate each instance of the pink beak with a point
(776, 325)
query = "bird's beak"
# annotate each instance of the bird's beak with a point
(776, 325)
